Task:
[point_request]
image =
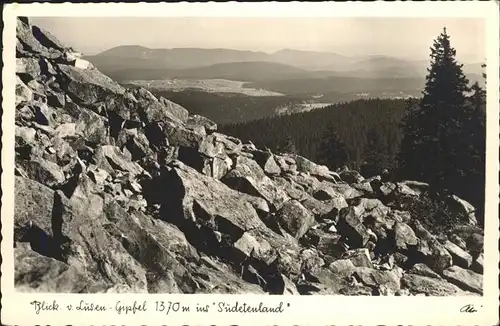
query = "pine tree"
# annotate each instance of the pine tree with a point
(288, 146)
(331, 150)
(432, 149)
(375, 158)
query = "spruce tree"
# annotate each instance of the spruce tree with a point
(432, 149)
(375, 158)
(288, 146)
(331, 151)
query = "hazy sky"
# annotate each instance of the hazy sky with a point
(400, 37)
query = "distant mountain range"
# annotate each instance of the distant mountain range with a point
(138, 62)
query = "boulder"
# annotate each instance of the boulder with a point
(142, 235)
(342, 267)
(327, 193)
(32, 39)
(197, 120)
(324, 209)
(404, 236)
(112, 159)
(478, 264)
(475, 243)
(267, 162)
(464, 279)
(135, 142)
(351, 176)
(178, 111)
(359, 257)
(247, 177)
(36, 273)
(27, 135)
(292, 189)
(66, 130)
(463, 208)
(33, 209)
(30, 66)
(437, 257)
(200, 198)
(429, 286)
(232, 145)
(387, 189)
(88, 85)
(289, 288)
(152, 110)
(423, 270)
(323, 281)
(295, 218)
(460, 257)
(350, 225)
(376, 278)
(89, 246)
(92, 127)
(178, 135)
(347, 191)
(416, 187)
(326, 243)
(43, 171)
(458, 241)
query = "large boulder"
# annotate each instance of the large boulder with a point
(33, 210)
(91, 127)
(295, 218)
(143, 235)
(460, 257)
(376, 278)
(429, 286)
(87, 86)
(112, 159)
(197, 120)
(464, 279)
(404, 236)
(350, 225)
(43, 171)
(37, 273)
(462, 208)
(86, 243)
(434, 253)
(199, 198)
(351, 176)
(31, 39)
(267, 162)
(248, 177)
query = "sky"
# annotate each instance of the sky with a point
(408, 38)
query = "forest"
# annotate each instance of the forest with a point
(226, 108)
(350, 120)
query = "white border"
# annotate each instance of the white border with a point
(303, 309)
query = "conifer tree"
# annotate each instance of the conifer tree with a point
(374, 155)
(432, 149)
(331, 150)
(288, 146)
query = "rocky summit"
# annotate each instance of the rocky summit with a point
(117, 190)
